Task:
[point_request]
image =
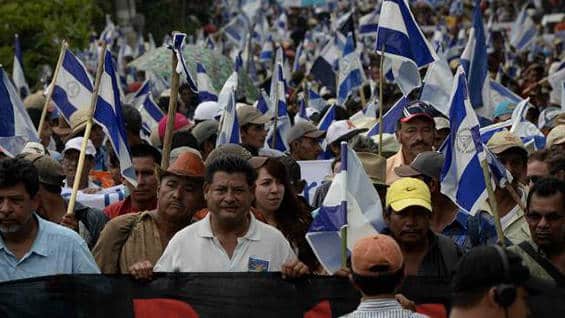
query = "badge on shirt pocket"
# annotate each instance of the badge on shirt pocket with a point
(257, 265)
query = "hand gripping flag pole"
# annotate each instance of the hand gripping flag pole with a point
(88, 129)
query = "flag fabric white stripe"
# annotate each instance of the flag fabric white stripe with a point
(18, 70)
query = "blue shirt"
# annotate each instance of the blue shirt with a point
(469, 231)
(56, 250)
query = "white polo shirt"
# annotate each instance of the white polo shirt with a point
(195, 249)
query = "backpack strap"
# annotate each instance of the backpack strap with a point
(544, 263)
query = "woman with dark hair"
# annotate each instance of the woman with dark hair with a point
(277, 204)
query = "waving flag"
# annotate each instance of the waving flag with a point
(178, 45)
(351, 202)
(461, 175)
(328, 118)
(369, 23)
(315, 101)
(151, 114)
(16, 127)
(475, 63)
(297, 56)
(73, 86)
(390, 119)
(351, 74)
(302, 115)
(437, 86)
(400, 39)
(236, 30)
(499, 93)
(229, 126)
(110, 32)
(263, 102)
(529, 133)
(108, 114)
(18, 70)
(266, 54)
(206, 91)
(523, 31)
(250, 8)
(139, 96)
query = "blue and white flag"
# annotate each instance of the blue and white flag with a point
(16, 128)
(369, 23)
(301, 3)
(250, 8)
(401, 40)
(523, 31)
(280, 26)
(297, 56)
(210, 43)
(437, 86)
(151, 114)
(499, 93)
(351, 75)
(18, 69)
(236, 30)
(110, 32)
(229, 126)
(475, 63)
(529, 133)
(462, 178)
(556, 81)
(277, 137)
(328, 119)
(139, 96)
(390, 118)
(73, 86)
(108, 114)
(351, 202)
(267, 51)
(263, 102)
(182, 68)
(206, 92)
(315, 100)
(302, 115)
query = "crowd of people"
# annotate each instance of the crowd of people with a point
(241, 208)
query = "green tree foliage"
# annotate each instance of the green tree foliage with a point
(42, 25)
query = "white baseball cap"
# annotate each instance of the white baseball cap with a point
(206, 110)
(76, 144)
(341, 130)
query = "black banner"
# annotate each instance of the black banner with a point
(200, 295)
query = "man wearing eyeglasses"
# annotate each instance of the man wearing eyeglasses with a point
(544, 254)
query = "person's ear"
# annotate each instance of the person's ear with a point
(490, 298)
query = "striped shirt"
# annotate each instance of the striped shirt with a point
(382, 308)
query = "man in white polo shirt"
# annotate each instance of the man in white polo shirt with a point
(230, 238)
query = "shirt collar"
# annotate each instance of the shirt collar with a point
(253, 233)
(374, 304)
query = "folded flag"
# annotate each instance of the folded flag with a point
(351, 202)
(182, 68)
(390, 118)
(229, 125)
(206, 91)
(462, 178)
(108, 114)
(73, 86)
(18, 69)
(401, 40)
(16, 128)
(276, 137)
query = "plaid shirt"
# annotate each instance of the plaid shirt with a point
(469, 231)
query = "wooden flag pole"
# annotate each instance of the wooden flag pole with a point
(492, 203)
(171, 114)
(88, 129)
(64, 47)
(381, 105)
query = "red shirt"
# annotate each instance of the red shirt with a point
(123, 207)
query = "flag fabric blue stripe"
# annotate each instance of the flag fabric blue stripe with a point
(368, 28)
(61, 99)
(178, 46)
(152, 109)
(7, 124)
(72, 64)
(390, 119)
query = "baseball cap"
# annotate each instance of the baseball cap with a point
(407, 192)
(188, 164)
(33, 147)
(206, 110)
(180, 122)
(303, 129)
(76, 144)
(247, 114)
(556, 136)
(375, 166)
(416, 109)
(50, 171)
(228, 149)
(341, 130)
(376, 254)
(503, 108)
(204, 130)
(504, 140)
(482, 268)
(427, 163)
